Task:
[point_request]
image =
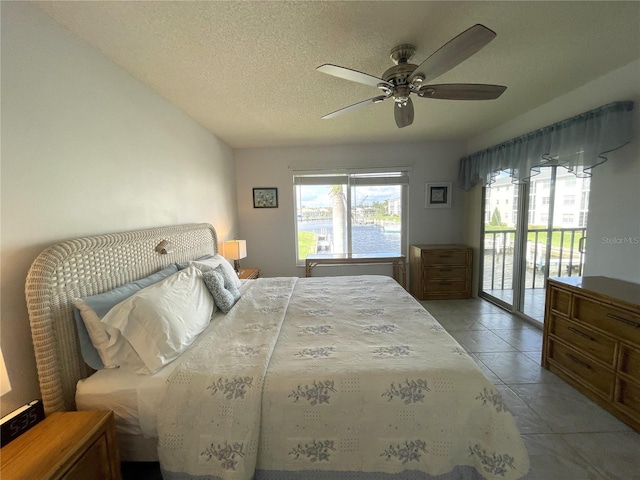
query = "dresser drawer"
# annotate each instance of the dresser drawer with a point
(616, 321)
(451, 273)
(560, 300)
(582, 338)
(629, 363)
(628, 396)
(445, 257)
(584, 369)
(440, 286)
(93, 464)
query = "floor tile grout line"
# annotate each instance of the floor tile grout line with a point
(531, 351)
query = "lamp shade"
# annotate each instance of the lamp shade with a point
(5, 384)
(235, 249)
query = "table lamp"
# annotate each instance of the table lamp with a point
(235, 250)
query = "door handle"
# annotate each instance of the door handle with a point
(581, 244)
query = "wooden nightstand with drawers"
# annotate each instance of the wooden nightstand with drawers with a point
(249, 273)
(65, 446)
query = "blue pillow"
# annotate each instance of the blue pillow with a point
(225, 294)
(103, 302)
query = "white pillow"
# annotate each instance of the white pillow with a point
(211, 263)
(162, 320)
(112, 347)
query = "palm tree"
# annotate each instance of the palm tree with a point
(339, 218)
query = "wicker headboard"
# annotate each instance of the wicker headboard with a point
(87, 266)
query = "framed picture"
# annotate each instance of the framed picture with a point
(437, 195)
(265, 198)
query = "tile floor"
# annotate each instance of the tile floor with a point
(567, 435)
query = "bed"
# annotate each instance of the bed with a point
(301, 378)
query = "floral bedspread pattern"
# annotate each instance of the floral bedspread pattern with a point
(368, 387)
(209, 418)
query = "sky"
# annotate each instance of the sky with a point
(314, 196)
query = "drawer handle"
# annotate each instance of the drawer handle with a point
(578, 361)
(623, 320)
(578, 332)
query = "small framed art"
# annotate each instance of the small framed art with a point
(437, 195)
(265, 198)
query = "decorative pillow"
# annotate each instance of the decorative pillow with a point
(162, 320)
(224, 292)
(90, 310)
(212, 263)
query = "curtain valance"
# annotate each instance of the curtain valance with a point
(577, 144)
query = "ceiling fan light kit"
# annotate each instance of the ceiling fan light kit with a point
(404, 79)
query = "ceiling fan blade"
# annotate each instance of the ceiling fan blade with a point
(353, 75)
(454, 52)
(353, 107)
(403, 113)
(462, 91)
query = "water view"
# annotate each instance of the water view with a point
(365, 238)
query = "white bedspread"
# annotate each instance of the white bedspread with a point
(360, 378)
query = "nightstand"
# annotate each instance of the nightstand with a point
(249, 273)
(65, 446)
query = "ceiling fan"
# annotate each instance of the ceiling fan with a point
(404, 79)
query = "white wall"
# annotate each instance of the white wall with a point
(270, 232)
(614, 202)
(86, 149)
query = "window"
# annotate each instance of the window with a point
(582, 222)
(569, 200)
(584, 201)
(352, 212)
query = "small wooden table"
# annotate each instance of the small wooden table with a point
(65, 446)
(249, 273)
(396, 260)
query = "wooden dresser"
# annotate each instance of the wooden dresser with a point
(440, 271)
(592, 341)
(65, 446)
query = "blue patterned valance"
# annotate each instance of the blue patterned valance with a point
(578, 144)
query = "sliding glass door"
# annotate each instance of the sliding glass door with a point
(530, 232)
(499, 234)
(556, 232)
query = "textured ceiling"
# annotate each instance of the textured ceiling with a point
(246, 70)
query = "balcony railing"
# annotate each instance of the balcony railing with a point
(566, 257)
